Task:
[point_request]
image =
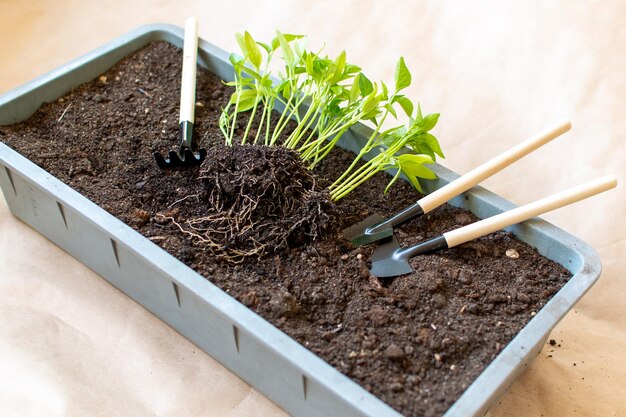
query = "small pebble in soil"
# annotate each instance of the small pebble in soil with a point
(394, 352)
(464, 277)
(250, 299)
(284, 304)
(463, 219)
(438, 301)
(473, 308)
(396, 387)
(512, 253)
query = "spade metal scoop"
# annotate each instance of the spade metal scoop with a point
(376, 227)
(185, 155)
(390, 260)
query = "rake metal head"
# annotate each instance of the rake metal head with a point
(185, 158)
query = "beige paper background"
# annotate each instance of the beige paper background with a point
(72, 345)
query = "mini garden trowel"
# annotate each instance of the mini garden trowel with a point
(185, 155)
(376, 227)
(390, 260)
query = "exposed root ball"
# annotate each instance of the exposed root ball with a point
(258, 200)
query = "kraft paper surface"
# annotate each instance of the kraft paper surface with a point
(498, 72)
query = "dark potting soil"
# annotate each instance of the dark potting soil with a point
(415, 341)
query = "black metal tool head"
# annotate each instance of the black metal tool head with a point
(376, 227)
(388, 260)
(185, 158)
(365, 232)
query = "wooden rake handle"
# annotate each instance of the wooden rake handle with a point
(494, 165)
(188, 83)
(520, 214)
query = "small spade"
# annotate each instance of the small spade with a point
(390, 260)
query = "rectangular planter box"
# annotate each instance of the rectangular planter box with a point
(269, 360)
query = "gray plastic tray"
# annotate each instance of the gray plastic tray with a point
(286, 372)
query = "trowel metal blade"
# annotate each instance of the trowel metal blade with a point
(358, 233)
(387, 261)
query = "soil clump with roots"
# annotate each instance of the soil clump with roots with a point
(253, 201)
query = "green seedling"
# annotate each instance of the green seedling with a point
(325, 97)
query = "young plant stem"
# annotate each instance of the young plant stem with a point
(263, 114)
(368, 147)
(303, 126)
(250, 120)
(234, 123)
(276, 131)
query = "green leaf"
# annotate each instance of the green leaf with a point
(365, 85)
(403, 76)
(384, 91)
(247, 99)
(285, 89)
(235, 60)
(419, 115)
(372, 115)
(352, 69)
(354, 90)
(242, 44)
(268, 48)
(430, 121)
(288, 37)
(308, 62)
(410, 159)
(406, 105)
(337, 90)
(253, 74)
(254, 53)
(413, 168)
(267, 82)
(286, 48)
(388, 140)
(389, 107)
(340, 64)
(433, 144)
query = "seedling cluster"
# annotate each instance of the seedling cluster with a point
(325, 97)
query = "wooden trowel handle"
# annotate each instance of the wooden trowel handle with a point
(188, 83)
(478, 174)
(519, 214)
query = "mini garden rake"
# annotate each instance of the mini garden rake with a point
(185, 155)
